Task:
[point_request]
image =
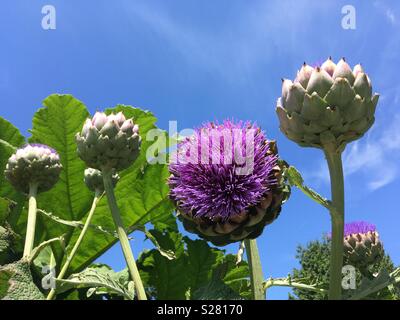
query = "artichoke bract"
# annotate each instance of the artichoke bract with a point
(330, 104)
(362, 246)
(108, 142)
(94, 180)
(33, 164)
(214, 197)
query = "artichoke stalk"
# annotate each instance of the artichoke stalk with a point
(32, 169)
(111, 143)
(327, 107)
(94, 181)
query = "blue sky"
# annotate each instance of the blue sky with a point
(193, 61)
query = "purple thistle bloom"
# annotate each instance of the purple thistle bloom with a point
(206, 180)
(358, 227)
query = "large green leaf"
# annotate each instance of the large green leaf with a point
(10, 140)
(99, 279)
(237, 276)
(201, 261)
(16, 282)
(216, 289)
(165, 279)
(190, 275)
(5, 207)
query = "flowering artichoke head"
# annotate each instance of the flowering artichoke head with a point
(33, 164)
(362, 246)
(330, 105)
(214, 196)
(108, 142)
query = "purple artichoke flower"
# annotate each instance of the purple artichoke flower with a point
(33, 164)
(362, 246)
(226, 182)
(358, 227)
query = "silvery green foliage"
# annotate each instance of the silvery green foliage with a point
(363, 249)
(108, 142)
(7, 239)
(99, 279)
(94, 180)
(33, 164)
(331, 104)
(16, 282)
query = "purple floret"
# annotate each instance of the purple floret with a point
(216, 190)
(358, 227)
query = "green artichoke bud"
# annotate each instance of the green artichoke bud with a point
(109, 142)
(94, 180)
(331, 104)
(362, 246)
(33, 164)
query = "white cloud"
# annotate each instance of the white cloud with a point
(236, 47)
(387, 11)
(390, 15)
(374, 159)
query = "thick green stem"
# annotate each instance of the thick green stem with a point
(256, 273)
(292, 284)
(67, 263)
(31, 224)
(337, 218)
(123, 237)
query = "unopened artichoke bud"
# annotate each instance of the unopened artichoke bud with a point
(94, 180)
(109, 142)
(331, 104)
(362, 246)
(226, 182)
(33, 164)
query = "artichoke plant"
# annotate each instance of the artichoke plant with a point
(212, 199)
(330, 104)
(362, 246)
(32, 169)
(327, 107)
(111, 143)
(108, 142)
